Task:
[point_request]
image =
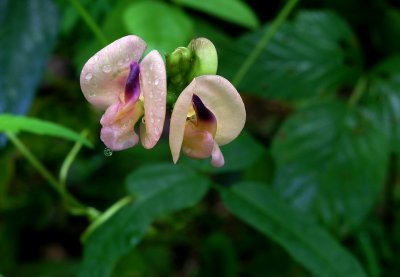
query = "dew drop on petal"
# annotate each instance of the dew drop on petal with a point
(106, 68)
(120, 63)
(107, 152)
(88, 77)
(156, 131)
(156, 82)
(91, 94)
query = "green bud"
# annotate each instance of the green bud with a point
(205, 58)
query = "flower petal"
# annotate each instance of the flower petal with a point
(197, 143)
(118, 125)
(217, 158)
(223, 100)
(153, 84)
(178, 120)
(104, 75)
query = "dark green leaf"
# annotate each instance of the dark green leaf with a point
(162, 26)
(382, 101)
(313, 55)
(234, 11)
(314, 248)
(331, 161)
(27, 35)
(158, 190)
(11, 123)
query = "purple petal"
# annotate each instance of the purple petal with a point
(132, 88)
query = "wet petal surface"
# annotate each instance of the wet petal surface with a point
(153, 83)
(105, 73)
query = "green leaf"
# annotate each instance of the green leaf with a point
(264, 210)
(331, 160)
(234, 11)
(27, 35)
(161, 25)
(158, 190)
(11, 123)
(313, 55)
(382, 101)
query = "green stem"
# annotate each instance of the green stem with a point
(105, 216)
(72, 204)
(358, 91)
(70, 158)
(90, 22)
(270, 32)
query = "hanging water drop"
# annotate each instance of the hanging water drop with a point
(108, 152)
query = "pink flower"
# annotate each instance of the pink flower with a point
(208, 113)
(116, 80)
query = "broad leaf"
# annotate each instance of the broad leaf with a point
(11, 123)
(313, 55)
(161, 25)
(331, 160)
(306, 242)
(158, 190)
(382, 101)
(235, 11)
(27, 35)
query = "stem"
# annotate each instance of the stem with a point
(70, 158)
(105, 216)
(270, 32)
(90, 22)
(358, 91)
(72, 205)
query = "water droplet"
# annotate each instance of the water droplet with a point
(88, 76)
(120, 63)
(91, 94)
(107, 152)
(143, 120)
(152, 120)
(151, 67)
(106, 68)
(156, 131)
(127, 59)
(156, 82)
(95, 58)
(124, 126)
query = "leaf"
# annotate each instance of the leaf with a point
(261, 207)
(234, 11)
(331, 161)
(241, 153)
(161, 25)
(313, 55)
(27, 36)
(158, 190)
(382, 100)
(11, 123)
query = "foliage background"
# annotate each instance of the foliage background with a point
(311, 187)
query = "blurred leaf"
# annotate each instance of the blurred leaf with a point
(6, 174)
(382, 101)
(46, 269)
(158, 190)
(161, 25)
(219, 256)
(241, 153)
(235, 11)
(386, 31)
(332, 161)
(27, 35)
(13, 123)
(293, 66)
(314, 248)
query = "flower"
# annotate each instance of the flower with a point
(207, 114)
(115, 80)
